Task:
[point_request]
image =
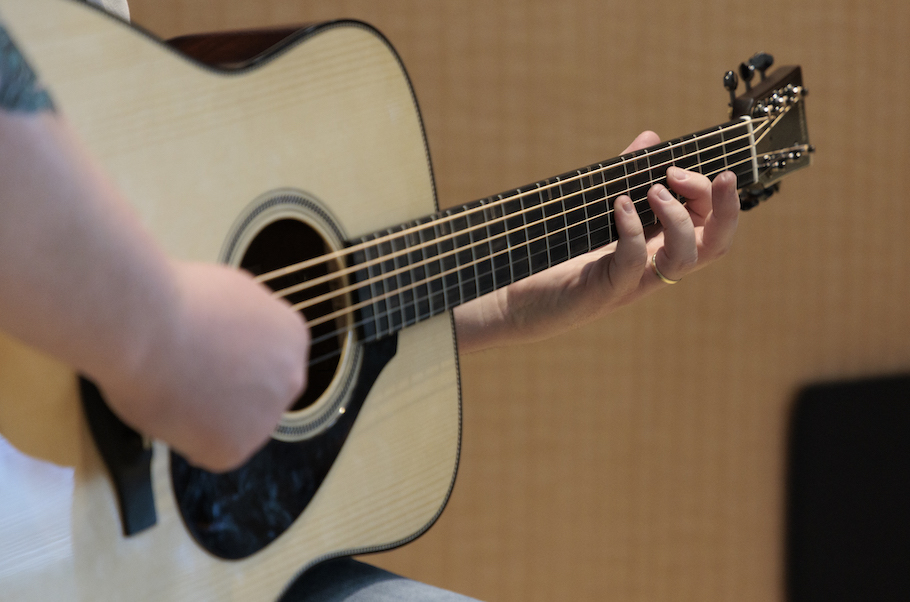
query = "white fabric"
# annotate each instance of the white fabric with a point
(117, 7)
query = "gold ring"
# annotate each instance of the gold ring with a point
(657, 271)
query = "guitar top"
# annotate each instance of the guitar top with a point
(323, 137)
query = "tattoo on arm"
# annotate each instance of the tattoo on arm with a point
(19, 86)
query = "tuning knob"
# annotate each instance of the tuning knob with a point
(747, 72)
(762, 61)
(730, 83)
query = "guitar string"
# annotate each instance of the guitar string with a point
(285, 271)
(416, 248)
(426, 261)
(439, 256)
(387, 315)
(412, 286)
(285, 292)
(348, 328)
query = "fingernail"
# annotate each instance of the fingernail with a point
(664, 194)
(627, 206)
(676, 173)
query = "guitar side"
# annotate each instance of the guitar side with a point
(332, 117)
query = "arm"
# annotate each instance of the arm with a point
(597, 283)
(179, 349)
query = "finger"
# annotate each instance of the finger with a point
(679, 253)
(720, 224)
(626, 264)
(695, 189)
(643, 140)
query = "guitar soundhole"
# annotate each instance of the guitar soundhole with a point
(287, 242)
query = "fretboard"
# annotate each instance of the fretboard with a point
(422, 268)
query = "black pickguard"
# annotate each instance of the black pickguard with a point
(234, 515)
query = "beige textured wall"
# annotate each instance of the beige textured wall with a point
(642, 458)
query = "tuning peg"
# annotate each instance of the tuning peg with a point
(747, 72)
(762, 61)
(751, 197)
(730, 83)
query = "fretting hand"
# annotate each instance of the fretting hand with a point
(592, 285)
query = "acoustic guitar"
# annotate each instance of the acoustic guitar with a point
(302, 159)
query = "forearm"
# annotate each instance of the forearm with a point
(197, 355)
(487, 322)
(85, 282)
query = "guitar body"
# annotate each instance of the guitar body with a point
(326, 133)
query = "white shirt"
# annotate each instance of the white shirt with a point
(117, 7)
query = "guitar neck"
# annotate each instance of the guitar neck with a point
(419, 269)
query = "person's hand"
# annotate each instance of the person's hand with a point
(592, 285)
(215, 381)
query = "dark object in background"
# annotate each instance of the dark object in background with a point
(848, 522)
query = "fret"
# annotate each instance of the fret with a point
(648, 217)
(661, 158)
(639, 175)
(498, 242)
(555, 225)
(426, 271)
(723, 136)
(366, 321)
(575, 215)
(617, 184)
(538, 250)
(410, 289)
(378, 290)
(517, 237)
(597, 206)
(588, 203)
(560, 222)
(395, 283)
(673, 149)
(467, 274)
(445, 249)
(638, 167)
(480, 252)
(687, 153)
(666, 157)
(711, 154)
(740, 160)
(546, 196)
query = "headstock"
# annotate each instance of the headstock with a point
(777, 104)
